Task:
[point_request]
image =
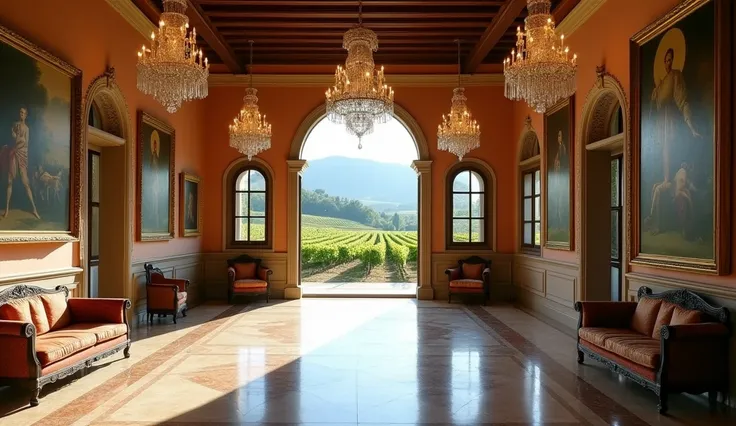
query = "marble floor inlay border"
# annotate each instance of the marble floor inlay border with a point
(91, 400)
(599, 403)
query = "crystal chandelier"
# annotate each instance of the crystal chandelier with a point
(360, 97)
(173, 69)
(459, 133)
(250, 134)
(539, 70)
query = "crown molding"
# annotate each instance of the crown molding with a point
(325, 80)
(579, 15)
(133, 16)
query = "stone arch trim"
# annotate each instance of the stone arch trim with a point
(316, 115)
(529, 145)
(490, 174)
(235, 164)
(606, 94)
(104, 92)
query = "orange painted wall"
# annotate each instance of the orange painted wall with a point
(286, 108)
(604, 40)
(90, 35)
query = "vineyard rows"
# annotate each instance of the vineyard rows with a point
(322, 246)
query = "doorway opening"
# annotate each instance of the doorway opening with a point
(604, 139)
(108, 234)
(359, 216)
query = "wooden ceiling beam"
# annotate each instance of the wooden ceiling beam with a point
(564, 7)
(199, 20)
(267, 49)
(451, 34)
(344, 3)
(346, 25)
(367, 16)
(148, 9)
(499, 26)
(441, 41)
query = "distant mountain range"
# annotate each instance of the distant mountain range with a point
(382, 186)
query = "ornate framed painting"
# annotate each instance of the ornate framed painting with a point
(190, 215)
(156, 175)
(559, 164)
(40, 150)
(681, 139)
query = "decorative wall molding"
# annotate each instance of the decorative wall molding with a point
(636, 280)
(70, 277)
(133, 16)
(547, 286)
(579, 15)
(326, 80)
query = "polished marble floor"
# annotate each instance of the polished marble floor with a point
(359, 289)
(351, 362)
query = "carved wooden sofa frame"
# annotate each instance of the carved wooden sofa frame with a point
(28, 331)
(716, 332)
(175, 285)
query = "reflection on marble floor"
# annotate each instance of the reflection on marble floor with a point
(349, 362)
(359, 289)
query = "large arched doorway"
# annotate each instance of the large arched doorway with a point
(359, 207)
(106, 247)
(604, 150)
(300, 153)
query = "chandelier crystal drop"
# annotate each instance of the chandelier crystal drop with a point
(540, 70)
(173, 70)
(459, 133)
(360, 98)
(250, 133)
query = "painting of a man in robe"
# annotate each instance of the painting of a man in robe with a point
(35, 143)
(155, 179)
(677, 139)
(558, 177)
(191, 207)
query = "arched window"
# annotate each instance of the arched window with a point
(468, 208)
(249, 207)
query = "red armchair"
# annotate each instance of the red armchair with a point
(471, 276)
(247, 277)
(164, 296)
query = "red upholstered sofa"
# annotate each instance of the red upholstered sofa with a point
(247, 277)
(670, 342)
(45, 336)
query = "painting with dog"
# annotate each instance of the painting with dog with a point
(36, 141)
(678, 137)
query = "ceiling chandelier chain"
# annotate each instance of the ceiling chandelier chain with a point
(250, 133)
(360, 97)
(539, 70)
(458, 133)
(173, 70)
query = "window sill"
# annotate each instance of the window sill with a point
(532, 251)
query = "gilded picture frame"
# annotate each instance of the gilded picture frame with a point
(190, 205)
(51, 121)
(681, 177)
(156, 179)
(559, 159)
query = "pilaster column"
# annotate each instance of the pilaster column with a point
(424, 267)
(293, 289)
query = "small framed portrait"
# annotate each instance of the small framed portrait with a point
(190, 217)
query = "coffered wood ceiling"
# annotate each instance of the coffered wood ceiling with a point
(410, 32)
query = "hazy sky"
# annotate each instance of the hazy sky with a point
(389, 143)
